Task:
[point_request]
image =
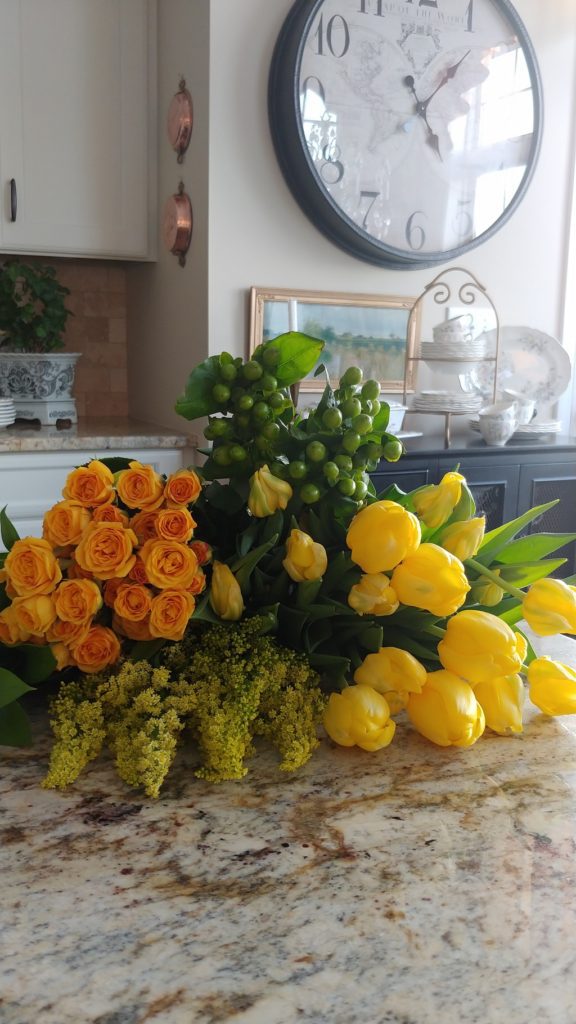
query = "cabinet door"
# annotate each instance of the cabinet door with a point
(542, 482)
(74, 131)
(495, 490)
(407, 474)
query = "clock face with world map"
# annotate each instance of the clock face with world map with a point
(407, 130)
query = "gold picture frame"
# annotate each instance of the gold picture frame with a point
(370, 331)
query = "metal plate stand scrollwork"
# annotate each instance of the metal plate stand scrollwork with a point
(465, 292)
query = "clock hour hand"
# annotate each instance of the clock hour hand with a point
(432, 138)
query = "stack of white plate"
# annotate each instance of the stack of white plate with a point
(7, 412)
(446, 401)
(530, 431)
(472, 350)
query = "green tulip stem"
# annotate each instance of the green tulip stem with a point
(483, 571)
(436, 631)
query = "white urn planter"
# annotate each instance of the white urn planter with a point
(40, 384)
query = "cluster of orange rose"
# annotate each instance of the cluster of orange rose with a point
(117, 559)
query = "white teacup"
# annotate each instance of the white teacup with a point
(498, 422)
(457, 328)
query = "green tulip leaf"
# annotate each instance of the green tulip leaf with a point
(498, 539)
(536, 545)
(8, 531)
(527, 573)
(15, 728)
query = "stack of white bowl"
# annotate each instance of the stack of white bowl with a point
(7, 412)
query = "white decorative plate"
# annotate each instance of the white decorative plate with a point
(530, 362)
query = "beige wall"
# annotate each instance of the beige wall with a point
(257, 234)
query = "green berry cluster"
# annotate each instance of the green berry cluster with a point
(251, 404)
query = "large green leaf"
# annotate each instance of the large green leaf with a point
(495, 541)
(11, 687)
(36, 663)
(536, 545)
(14, 727)
(527, 573)
(299, 354)
(8, 531)
(197, 399)
(117, 463)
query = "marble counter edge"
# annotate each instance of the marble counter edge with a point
(106, 435)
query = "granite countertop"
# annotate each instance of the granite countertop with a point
(106, 433)
(413, 886)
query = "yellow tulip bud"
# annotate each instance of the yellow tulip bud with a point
(373, 595)
(359, 716)
(305, 558)
(501, 700)
(550, 607)
(225, 593)
(432, 579)
(552, 686)
(436, 503)
(485, 591)
(479, 646)
(446, 711)
(267, 493)
(394, 673)
(381, 535)
(463, 539)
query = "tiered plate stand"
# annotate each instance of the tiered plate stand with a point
(464, 290)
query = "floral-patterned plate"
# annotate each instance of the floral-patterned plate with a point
(530, 362)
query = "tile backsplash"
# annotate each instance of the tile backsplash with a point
(97, 330)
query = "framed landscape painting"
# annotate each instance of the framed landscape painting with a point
(370, 331)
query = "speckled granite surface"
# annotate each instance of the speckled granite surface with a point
(414, 886)
(107, 433)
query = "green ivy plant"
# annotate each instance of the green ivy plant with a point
(33, 314)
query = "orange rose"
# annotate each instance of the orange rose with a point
(74, 572)
(91, 485)
(140, 487)
(34, 615)
(77, 600)
(10, 631)
(31, 567)
(67, 633)
(169, 565)
(182, 488)
(133, 602)
(65, 523)
(138, 572)
(106, 550)
(202, 550)
(170, 613)
(144, 526)
(198, 584)
(133, 630)
(110, 590)
(175, 524)
(109, 513)
(99, 648)
(62, 656)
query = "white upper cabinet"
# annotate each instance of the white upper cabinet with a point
(77, 147)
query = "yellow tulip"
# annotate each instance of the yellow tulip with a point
(432, 579)
(359, 717)
(479, 646)
(381, 535)
(373, 595)
(436, 503)
(501, 700)
(225, 593)
(486, 592)
(267, 493)
(446, 711)
(394, 673)
(305, 558)
(552, 686)
(463, 539)
(550, 607)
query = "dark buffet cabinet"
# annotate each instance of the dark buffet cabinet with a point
(505, 481)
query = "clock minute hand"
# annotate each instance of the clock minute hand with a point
(448, 74)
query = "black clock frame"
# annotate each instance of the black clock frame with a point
(298, 168)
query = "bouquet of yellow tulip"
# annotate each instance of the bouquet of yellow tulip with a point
(117, 562)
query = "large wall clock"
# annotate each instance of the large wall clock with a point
(407, 130)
